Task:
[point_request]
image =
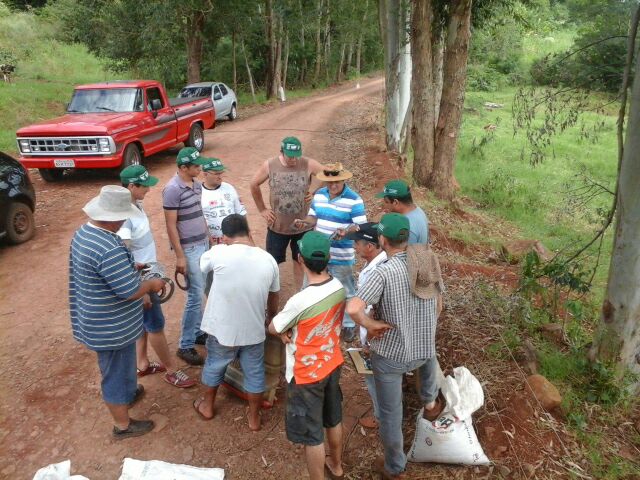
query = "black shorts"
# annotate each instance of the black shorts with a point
(311, 407)
(277, 245)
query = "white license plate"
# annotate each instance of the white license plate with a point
(64, 163)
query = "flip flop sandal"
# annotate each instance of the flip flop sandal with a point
(196, 407)
(154, 367)
(330, 474)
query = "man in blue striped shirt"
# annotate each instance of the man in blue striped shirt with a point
(335, 209)
(105, 299)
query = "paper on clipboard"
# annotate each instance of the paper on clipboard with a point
(362, 366)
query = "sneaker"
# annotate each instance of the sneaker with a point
(378, 466)
(190, 355)
(136, 428)
(179, 379)
(201, 339)
(138, 395)
(349, 334)
(434, 413)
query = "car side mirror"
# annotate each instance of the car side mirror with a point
(217, 96)
(155, 106)
(66, 106)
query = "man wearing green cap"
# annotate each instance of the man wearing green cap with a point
(310, 326)
(291, 185)
(136, 234)
(397, 198)
(219, 199)
(402, 338)
(189, 237)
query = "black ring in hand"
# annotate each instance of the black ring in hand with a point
(184, 286)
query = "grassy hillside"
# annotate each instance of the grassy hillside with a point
(46, 72)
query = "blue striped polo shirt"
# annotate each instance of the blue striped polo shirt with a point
(101, 278)
(186, 199)
(340, 212)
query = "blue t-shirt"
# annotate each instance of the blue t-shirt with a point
(102, 276)
(418, 226)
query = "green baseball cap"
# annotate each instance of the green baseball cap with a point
(190, 156)
(314, 246)
(291, 147)
(137, 174)
(394, 189)
(394, 226)
(214, 165)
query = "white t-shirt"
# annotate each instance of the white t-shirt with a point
(362, 278)
(138, 232)
(217, 204)
(243, 276)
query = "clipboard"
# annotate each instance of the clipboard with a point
(362, 366)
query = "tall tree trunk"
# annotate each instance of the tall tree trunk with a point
(277, 67)
(347, 66)
(442, 182)
(360, 35)
(318, 63)
(341, 64)
(303, 67)
(617, 339)
(393, 17)
(194, 27)
(285, 63)
(327, 43)
(270, 85)
(437, 50)
(422, 91)
(233, 57)
(246, 62)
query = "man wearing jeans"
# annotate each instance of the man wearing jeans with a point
(402, 339)
(189, 237)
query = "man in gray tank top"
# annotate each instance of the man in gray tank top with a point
(291, 186)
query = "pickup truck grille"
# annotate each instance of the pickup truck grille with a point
(66, 146)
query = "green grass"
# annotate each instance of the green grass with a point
(535, 46)
(47, 70)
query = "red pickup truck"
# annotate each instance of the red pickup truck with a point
(114, 125)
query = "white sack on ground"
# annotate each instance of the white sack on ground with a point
(451, 438)
(157, 470)
(57, 471)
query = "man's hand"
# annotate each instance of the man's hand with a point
(439, 305)
(286, 337)
(146, 301)
(140, 266)
(269, 216)
(299, 224)
(181, 265)
(377, 329)
(155, 284)
(308, 197)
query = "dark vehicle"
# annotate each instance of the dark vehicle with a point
(17, 201)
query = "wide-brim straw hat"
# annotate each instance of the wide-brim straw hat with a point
(425, 277)
(112, 205)
(333, 172)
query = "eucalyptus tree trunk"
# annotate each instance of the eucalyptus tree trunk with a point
(270, 33)
(341, 64)
(193, 33)
(233, 57)
(285, 63)
(393, 17)
(456, 52)
(437, 51)
(617, 339)
(347, 66)
(246, 62)
(422, 91)
(318, 62)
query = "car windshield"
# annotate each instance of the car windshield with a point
(106, 100)
(192, 92)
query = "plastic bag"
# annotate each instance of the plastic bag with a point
(57, 471)
(157, 470)
(451, 438)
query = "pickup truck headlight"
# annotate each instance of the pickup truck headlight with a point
(104, 145)
(24, 146)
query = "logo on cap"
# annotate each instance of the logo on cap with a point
(195, 154)
(291, 146)
(143, 176)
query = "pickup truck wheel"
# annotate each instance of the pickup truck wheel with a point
(132, 156)
(20, 225)
(233, 114)
(196, 137)
(51, 174)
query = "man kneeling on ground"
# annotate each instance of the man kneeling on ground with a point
(310, 325)
(246, 281)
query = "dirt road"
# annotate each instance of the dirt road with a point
(50, 392)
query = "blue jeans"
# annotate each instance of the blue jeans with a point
(388, 378)
(370, 382)
(220, 356)
(344, 273)
(118, 370)
(192, 316)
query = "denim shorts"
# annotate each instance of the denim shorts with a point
(220, 356)
(277, 244)
(118, 369)
(153, 319)
(311, 407)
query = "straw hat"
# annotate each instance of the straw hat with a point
(112, 205)
(423, 267)
(334, 172)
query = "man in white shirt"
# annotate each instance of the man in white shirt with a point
(136, 234)
(219, 199)
(246, 282)
(368, 248)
